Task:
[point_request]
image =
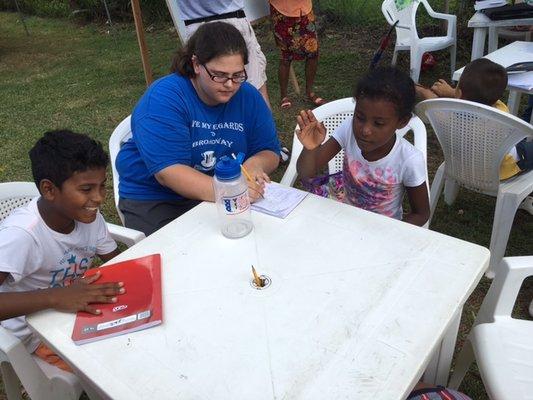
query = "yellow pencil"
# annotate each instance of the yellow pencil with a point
(244, 171)
(246, 174)
(257, 280)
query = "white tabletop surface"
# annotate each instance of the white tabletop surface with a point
(357, 303)
(508, 55)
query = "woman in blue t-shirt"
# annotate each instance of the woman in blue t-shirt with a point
(185, 122)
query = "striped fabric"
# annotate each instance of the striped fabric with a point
(437, 393)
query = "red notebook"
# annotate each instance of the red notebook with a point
(138, 308)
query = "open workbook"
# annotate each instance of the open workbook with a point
(279, 200)
(138, 308)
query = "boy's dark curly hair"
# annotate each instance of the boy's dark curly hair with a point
(390, 84)
(61, 153)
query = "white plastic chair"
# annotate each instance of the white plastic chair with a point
(41, 380)
(407, 35)
(501, 345)
(120, 135)
(474, 139)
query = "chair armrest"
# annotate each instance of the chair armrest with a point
(8, 341)
(125, 235)
(27, 370)
(501, 297)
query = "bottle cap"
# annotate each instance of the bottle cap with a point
(227, 168)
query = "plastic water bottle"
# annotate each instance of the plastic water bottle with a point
(231, 196)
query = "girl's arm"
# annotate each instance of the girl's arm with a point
(310, 162)
(314, 155)
(419, 202)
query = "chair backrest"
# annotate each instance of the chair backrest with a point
(332, 115)
(406, 17)
(120, 135)
(14, 195)
(474, 139)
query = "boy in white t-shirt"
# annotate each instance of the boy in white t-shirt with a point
(379, 167)
(46, 246)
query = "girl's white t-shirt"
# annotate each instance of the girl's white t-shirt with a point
(379, 186)
(37, 257)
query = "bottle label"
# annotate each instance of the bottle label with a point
(236, 204)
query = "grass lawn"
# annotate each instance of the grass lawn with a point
(86, 79)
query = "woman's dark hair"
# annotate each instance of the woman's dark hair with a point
(390, 84)
(210, 41)
(60, 154)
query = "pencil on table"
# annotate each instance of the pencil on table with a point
(257, 280)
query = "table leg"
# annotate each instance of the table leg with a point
(438, 368)
(478, 43)
(493, 39)
(514, 101)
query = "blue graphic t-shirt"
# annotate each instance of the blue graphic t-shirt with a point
(171, 125)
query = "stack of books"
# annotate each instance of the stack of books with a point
(484, 4)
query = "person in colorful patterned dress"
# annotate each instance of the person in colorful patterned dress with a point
(294, 27)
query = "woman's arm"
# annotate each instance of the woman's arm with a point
(310, 162)
(187, 182)
(419, 202)
(261, 164)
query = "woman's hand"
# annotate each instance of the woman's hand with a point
(311, 133)
(256, 179)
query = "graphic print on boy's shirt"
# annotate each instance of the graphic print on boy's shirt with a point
(72, 265)
(212, 141)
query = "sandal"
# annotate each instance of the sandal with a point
(317, 101)
(285, 103)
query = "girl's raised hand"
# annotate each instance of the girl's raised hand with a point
(311, 133)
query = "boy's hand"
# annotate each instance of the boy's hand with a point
(82, 293)
(424, 93)
(311, 133)
(443, 89)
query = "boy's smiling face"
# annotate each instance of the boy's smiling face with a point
(78, 199)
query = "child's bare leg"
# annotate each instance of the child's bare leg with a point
(283, 76)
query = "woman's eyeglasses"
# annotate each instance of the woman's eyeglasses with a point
(223, 78)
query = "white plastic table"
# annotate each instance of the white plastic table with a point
(481, 24)
(508, 55)
(357, 305)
